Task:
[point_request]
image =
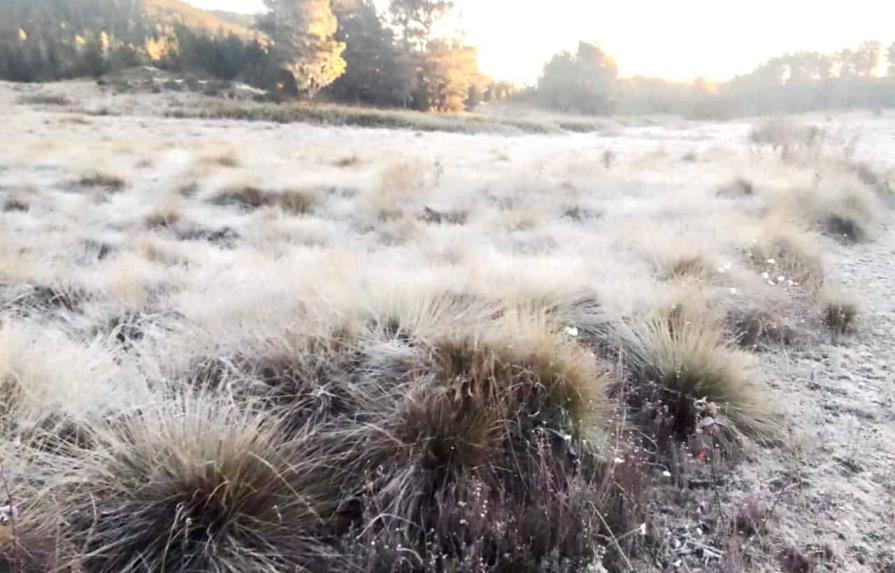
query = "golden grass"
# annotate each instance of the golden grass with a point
(688, 356)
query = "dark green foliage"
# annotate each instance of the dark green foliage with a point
(51, 39)
(378, 73)
(226, 57)
(55, 39)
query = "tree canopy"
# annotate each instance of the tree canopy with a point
(584, 81)
(303, 42)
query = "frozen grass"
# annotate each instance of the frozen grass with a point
(45, 99)
(231, 346)
(787, 136)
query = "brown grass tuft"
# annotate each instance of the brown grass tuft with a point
(292, 201)
(739, 187)
(840, 311)
(683, 360)
(191, 485)
(105, 181)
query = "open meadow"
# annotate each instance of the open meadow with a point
(478, 344)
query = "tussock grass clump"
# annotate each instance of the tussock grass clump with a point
(222, 159)
(846, 227)
(840, 310)
(434, 217)
(684, 266)
(786, 136)
(493, 429)
(348, 161)
(764, 324)
(739, 187)
(194, 484)
(46, 99)
(245, 197)
(841, 207)
(48, 381)
(101, 180)
(789, 257)
(165, 217)
(477, 444)
(292, 201)
(42, 299)
(679, 361)
(14, 205)
(399, 185)
(872, 177)
(848, 211)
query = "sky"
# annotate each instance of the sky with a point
(673, 39)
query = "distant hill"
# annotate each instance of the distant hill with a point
(176, 11)
(244, 20)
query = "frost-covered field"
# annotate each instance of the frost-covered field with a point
(170, 286)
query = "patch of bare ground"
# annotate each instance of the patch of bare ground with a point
(823, 499)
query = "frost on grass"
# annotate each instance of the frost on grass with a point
(338, 349)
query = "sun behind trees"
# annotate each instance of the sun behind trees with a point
(402, 56)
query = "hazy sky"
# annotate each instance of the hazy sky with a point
(679, 39)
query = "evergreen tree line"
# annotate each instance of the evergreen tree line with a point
(344, 50)
(347, 51)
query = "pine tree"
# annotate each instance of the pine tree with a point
(376, 74)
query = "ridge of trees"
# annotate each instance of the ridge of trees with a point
(348, 51)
